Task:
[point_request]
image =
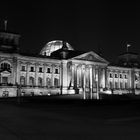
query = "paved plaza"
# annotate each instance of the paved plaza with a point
(69, 120)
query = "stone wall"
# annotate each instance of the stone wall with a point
(8, 91)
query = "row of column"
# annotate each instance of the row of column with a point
(86, 76)
(119, 82)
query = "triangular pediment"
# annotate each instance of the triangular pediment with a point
(91, 56)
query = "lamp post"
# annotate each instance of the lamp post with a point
(18, 92)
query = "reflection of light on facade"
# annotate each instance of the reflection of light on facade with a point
(86, 74)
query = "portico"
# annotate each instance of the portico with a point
(85, 78)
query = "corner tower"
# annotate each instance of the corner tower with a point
(9, 41)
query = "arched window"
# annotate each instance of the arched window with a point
(116, 84)
(121, 85)
(111, 84)
(5, 66)
(48, 82)
(31, 81)
(40, 81)
(56, 82)
(126, 85)
(22, 80)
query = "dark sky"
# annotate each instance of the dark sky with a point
(86, 26)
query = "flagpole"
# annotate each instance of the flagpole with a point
(5, 25)
(128, 45)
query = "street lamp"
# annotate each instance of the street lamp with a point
(18, 92)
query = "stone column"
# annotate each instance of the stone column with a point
(82, 76)
(93, 77)
(72, 75)
(75, 76)
(52, 77)
(14, 71)
(84, 81)
(17, 72)
(36, 74)
(27, 73)
(64, 84)
(44, 75)
(132, 79)
(91, 81)
(78, 76)
(107, 79)
(102, 84)
(60, 75)
(129, 79)
(118, 79)
(123, 81)
(97, 82)
(113, 79)
(69, 68)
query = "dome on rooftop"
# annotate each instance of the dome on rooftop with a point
(53, 46)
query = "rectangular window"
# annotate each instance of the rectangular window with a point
(22, 68)
(56, 71)
(48, 70)
(40, 69)
(4, 80)
(111, 75)
(32, 69)
(125, 76)
(116, 75)
(120, 75)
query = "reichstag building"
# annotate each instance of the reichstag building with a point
(59, 69)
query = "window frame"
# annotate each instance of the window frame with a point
(23, 66)
(48, 70)
(32, 69)
(56, 71)
(40, 69)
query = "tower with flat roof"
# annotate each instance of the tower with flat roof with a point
(9, 41)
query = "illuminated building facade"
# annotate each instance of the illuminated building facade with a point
(59, 69)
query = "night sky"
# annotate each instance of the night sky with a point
(104, 26)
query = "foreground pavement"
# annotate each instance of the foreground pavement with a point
(61, 120)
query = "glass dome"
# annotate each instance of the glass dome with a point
(53, 46)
